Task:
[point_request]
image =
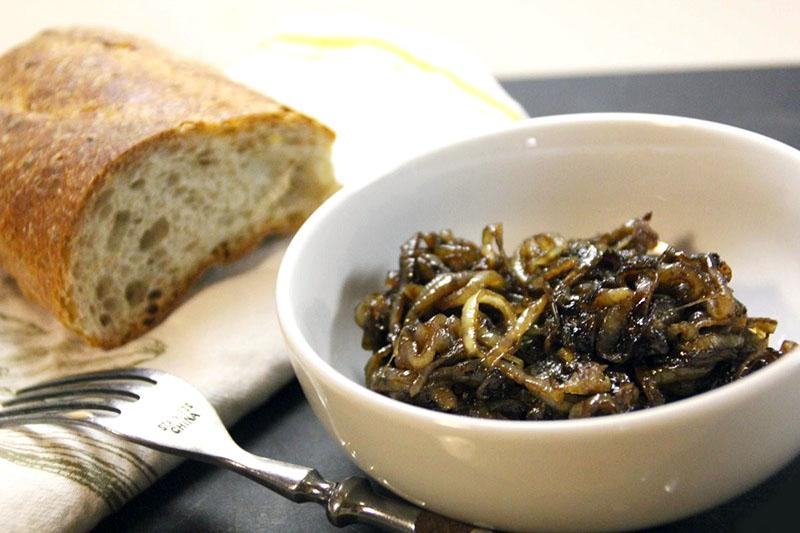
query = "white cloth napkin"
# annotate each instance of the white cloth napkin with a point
(390, 95)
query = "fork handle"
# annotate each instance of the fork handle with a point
(352, 500)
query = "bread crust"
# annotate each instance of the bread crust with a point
(76, 104)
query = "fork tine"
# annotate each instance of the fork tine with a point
(137, 374)
(41, 418)
(122, 390)
(60, 405)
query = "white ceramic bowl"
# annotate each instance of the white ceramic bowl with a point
(717, 187)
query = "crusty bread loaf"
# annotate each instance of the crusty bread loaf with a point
(125, 172)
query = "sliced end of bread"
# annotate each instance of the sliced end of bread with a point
(180, 203)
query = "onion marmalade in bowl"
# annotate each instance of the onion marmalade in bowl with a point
(560, 328)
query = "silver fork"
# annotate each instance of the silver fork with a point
(163, 412)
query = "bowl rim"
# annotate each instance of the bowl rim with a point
(747, 387)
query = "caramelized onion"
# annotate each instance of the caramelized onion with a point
(559, 328)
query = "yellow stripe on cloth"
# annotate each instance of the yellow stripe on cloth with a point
(374, 42)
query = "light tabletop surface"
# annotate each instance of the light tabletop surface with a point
(534, 38)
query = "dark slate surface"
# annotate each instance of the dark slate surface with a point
(196, 497)
(764, 100)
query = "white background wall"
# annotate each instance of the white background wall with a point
(514, 37)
